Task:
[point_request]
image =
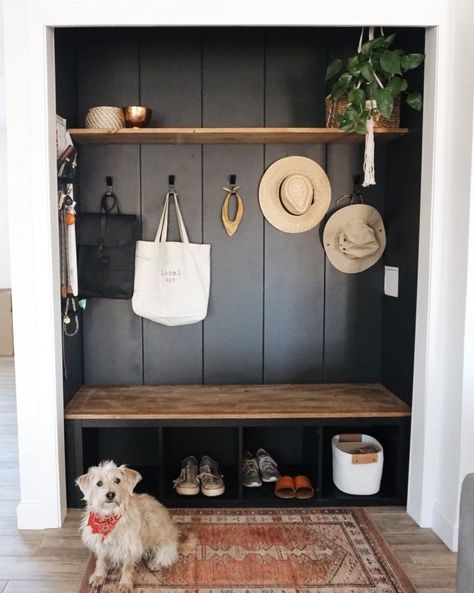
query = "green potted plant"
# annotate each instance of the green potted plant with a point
(370, 84)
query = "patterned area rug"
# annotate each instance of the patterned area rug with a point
(275, 551)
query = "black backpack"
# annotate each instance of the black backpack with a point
(106, 251)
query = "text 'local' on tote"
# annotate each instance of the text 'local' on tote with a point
(172, 278)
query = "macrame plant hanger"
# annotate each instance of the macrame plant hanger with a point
(369, 152)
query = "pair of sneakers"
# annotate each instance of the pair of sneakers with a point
(205, 477)
(258, 468)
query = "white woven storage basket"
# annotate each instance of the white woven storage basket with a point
(356, 473)
(105, 117)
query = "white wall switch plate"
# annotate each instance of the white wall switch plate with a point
(391, 281)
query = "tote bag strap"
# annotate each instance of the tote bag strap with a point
(162, 233)
(163, 224)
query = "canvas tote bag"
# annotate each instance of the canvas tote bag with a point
(171, 278)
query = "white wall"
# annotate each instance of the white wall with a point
(4, 250)
(456, 435)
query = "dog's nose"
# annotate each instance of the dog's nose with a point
(110, 495)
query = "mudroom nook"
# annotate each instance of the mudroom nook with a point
(292, 351)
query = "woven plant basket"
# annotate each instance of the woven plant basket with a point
(105, 117)
(335, 107)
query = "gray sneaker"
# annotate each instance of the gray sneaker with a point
(210, 475)
(267, 466)
(187, 483)
(250, 473)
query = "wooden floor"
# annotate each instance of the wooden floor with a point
(52, 561)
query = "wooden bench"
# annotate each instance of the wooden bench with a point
(153, 427)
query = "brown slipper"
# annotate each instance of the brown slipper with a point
(285, 487)
(304, 488)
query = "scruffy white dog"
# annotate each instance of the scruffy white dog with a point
(123, 528)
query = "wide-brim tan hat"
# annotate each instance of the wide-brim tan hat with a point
(354, 238)
(294, 194)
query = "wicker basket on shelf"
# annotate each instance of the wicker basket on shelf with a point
(105, 117)
(335, 107)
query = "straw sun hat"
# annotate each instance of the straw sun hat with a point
(294, 194)
(354, 238)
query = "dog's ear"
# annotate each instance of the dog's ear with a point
(84, 483)
(132, 477)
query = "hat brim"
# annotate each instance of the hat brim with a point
(269, 194)
(355, 212)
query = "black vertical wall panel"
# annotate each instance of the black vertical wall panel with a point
(233, 82)
(112, 332)
(170, 76)
(294, 263)
(295, 67)
(171, 85)
(172, 355)
(402, 219)
(233, 96)
(65, 50)
(294, 294)
(108, 69)
(402, 212)
(353, 302)
(233, 327)
(66, 106)
(108, 75)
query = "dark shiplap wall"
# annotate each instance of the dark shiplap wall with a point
(402, 220)
(279, 312)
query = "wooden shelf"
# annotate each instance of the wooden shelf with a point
(227, 135)
(184, 402)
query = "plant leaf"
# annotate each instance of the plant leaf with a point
(389, 39)
(411, 61)
(345, 80)
(415, 101)
(347, 127)
(333, 68)
(357, 97)
(361, 127)
(367, 71)
(352, 114)
(384, 100)
(367, 48)
(353, 65)
(390, 62)
(337, 91)
(373, 44)
(396, 86)
(344, 124)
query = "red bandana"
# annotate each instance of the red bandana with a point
(102, 525)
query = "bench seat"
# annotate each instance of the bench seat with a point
(214, 402)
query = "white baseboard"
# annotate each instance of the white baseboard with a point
(445, 528)
(37, 516)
